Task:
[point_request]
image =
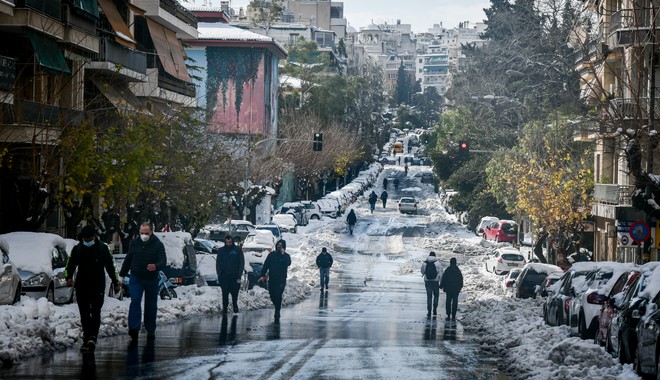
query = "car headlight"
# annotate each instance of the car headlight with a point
(39, 279)
(6, 276)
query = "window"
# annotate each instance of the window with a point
(293, 37)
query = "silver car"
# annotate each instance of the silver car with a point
(41, 262)
(10, 281)
(408, 205)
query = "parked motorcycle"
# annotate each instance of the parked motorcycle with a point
(165, 287)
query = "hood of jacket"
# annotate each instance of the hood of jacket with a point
(431, 259)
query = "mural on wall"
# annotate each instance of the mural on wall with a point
(237, 97)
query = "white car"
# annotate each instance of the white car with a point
(502, 260)
(286, 222)
(312, 210)
(509, 281)
(407, 205)
(483, 223)
(257, 246)
(329, 207)
(10, 280)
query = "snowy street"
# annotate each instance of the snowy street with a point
(371, 324)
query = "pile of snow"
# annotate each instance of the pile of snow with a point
(33, 251)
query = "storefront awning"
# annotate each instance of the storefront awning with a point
(48, 53)
(120, 96)
(169, 50)
(89, 6)
(123, 35)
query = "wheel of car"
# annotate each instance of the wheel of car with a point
(497, 239)
(314, 217)
(582, 327)
(17, 296)
(50, 294)
(167, 294)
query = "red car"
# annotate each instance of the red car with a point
(502, 231)
(608, 311)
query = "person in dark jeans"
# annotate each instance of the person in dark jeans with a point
(275, 271)
(229, 265)
(146, 256)
(451, 284)
(351, 219)
(383, 197)
(431, 283)
(324, 262)
(91, 257)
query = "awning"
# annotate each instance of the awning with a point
(120, 96)
(89, 6)
(123, 35)
(169, 50)
(48, 53)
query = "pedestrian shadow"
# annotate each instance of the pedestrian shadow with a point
(430, 329)
(133, 367)
(273, 332)
(88, 370)
(323, 299)
(228, 338)
(449, 332)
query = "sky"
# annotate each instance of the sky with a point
(516, 333)
(422, 14)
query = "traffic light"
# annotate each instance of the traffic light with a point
(318, 142)
(464, 150)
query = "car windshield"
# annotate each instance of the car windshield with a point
(512, 257)
(534, 278)
(509, 228)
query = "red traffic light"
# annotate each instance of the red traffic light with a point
(464, 145)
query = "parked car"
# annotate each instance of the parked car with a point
(41, 262)
(286, 222)
(647, 357)
(532, 275)
(312, 210)
(509, 281)
(584, 308)
(546, 288)
(502, 231)
(329, 207)
(426, 176)
(407, 205)
(257, 246)
(296, 209)
(483, 223)
(273, 228)
(558, 305)
(203, 246)
(502, 260)
(608, 311)
(239, 229)
(10, 280)
(181, 268)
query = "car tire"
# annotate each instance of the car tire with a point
(17, 296)
(582, 326)
(50, 294)
(167, 293)
(315, 217)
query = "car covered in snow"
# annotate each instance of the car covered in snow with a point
(502, 260)
(532, 275)
(483, 223)
(41, 259)
(10, 280)
(297, 209)
(258, 245)
(181, 268)
(558, 305)
(273, 228)
(608, 310)
(239, 229)
(312, 210)
(509, 281)
(286, 222)
(329, 207)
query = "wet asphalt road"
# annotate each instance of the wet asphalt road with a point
(369, 325)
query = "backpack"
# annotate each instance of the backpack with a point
(431, 271)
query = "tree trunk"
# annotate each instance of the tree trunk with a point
(538, 247)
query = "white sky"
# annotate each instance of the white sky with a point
(422, 14)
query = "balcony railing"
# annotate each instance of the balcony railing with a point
(27, 112)
(635, 108)
(52, 8)
(173, 7)
(613, 194)
(633, 26)
(176, 85)
(111, 51)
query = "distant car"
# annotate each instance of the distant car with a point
(502, 231)
(546, 288)
(41, 262)
(286, 222)
(509, 281)
(296, 209)
(181, 268)
(257, 246)
(407, 205)
(483, 223)
(532, 275)
(239, 229)
(328, 207)
(273, 228)
(10, 280)
(427, 177)
(312, 210)
(204, 246)
(502, 260)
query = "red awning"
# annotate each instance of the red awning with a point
(123, 35)
(169, 50)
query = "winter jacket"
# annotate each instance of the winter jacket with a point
(276, 266)
(432, 260)
(230, 263)
(324, 260)
(383, 196)
(351, 218)
(140, 254)
(373, 197)
(452, 280)
(91, 263)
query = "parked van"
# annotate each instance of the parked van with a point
(398, 147)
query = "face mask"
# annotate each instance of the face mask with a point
(88, 243)
(144, 237)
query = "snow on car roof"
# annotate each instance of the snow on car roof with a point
(260, 239)
(652, 284)
(33, 251)
(617, 269)
(287, 219)
(70, 243)
(174, 243)
(544, 268)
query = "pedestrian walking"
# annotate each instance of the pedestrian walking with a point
(91, 257)
(385, 183)
(373, 198)
(351, 219)
(275, 272)
(399, 160)
(396, 184)
(229, 266)
(452, 283)
(406, 169)
(145, 258)
(324, 262)
(432, 272)
(383, 198)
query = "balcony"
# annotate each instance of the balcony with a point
(172, 15)
(632, 27)
(634, 108)
(120, 59)
(27, 112)
(613, 194)
(52, 8)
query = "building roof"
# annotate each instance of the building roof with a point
(218, 34)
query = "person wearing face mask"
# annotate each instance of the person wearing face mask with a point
(91, 258)
(275, 272)
(146, 256)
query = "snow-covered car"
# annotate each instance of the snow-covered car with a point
(546, 288)
(239, 229)
(286, 222)
(502, 260)
(41, 262)
(407, 205)
(584, 308)
(258, 245)
(558, 305)
(509, 281)
(10, 280)
(608, 310)
(297, 209)
(273, 228)
(532, 275)
(181, 268)
(328, 207)
(312, 210)
(203, 246)
(483, 223)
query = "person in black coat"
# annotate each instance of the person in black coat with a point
(451, 284)
(373, 198)
(145, 258)
(324, 262)
(229, 265)
(383, 197)
(351, 219)
(275, 271)
(91, 257)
